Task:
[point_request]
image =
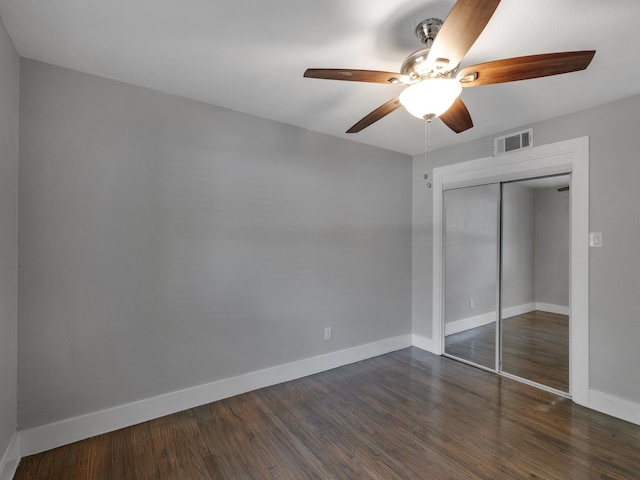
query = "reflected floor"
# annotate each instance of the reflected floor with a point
(535, 346)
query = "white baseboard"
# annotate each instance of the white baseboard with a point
(614, 406)
(469, 323)
(508, 312)
(67, 431)
(551, 308)
(424, 343)
(516, 310)
(10, 459)
(46, 437)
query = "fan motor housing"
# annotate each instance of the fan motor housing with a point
(415, 66)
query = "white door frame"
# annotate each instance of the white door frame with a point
(561, 157)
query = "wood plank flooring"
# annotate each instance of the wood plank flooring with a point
(535, 346)
(475, 345)
(405, 415)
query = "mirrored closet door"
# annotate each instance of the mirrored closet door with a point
(471, 228)
(535, 288)
(506, 278)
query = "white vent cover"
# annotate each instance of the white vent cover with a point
(512, 142)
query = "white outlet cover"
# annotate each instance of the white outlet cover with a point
(595, 239)
(327, 333)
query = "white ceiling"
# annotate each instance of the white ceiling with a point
(249, 56)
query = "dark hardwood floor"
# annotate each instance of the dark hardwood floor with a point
(405, 415)
(475, 345)
(535, 346)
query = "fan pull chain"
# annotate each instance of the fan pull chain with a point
(427, 147)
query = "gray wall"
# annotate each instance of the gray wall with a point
(614, 269)
(471, 252)
(518, 235)
(552, 246)
(535, 248)
(167, 243)
(9, 95)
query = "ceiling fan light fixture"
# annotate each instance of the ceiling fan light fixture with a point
(432, 74)
(431, 97)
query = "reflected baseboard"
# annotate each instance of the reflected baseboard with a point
(516, 310)
(10, 459)
(469, 323)
(551, 308)
(508, 312)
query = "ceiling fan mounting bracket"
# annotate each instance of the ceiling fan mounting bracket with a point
(427, 30)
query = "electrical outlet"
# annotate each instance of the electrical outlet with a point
(327, 333)
(471, 304)
(595, 239)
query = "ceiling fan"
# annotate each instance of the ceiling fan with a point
(433, 76)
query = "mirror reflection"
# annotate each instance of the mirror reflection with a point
(515, 235)
(535, 280)
(471, 273)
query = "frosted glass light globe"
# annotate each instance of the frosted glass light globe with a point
(430, 97)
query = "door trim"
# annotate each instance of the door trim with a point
(570, 156)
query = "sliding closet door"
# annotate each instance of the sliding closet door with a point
(535, 280)
(471, 230)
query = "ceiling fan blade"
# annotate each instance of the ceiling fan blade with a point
(460, 30)
(377, 114)
(524, 68)
(457, 118)
(372, 76)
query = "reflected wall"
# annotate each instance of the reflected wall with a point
(507, 250)
(471, 274)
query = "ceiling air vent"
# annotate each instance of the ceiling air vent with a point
(512, 142)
